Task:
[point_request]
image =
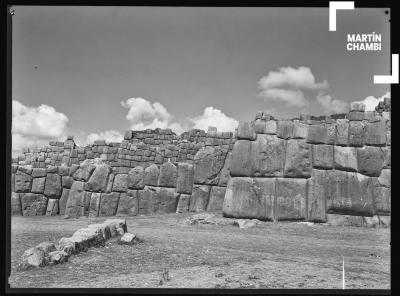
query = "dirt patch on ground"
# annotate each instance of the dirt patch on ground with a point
(173, 254)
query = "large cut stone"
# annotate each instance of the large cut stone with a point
(300, 130)
(94, 205)
(120, 183)
(240, 164)
(298, 159)
(33, 204)
(52, 187)
(151, 175)
(108, 204)
(23, 182)
(67, 181)
(370, 160)
(375, 133)
(185, 178)
(246, 131)
(322, 156)
(99, 178)
(345, 158)
(225, 172)
(199, 199)
(348, 193)
(216, 199)
(147, 200)
(285, 129)
(136, 178)
(16, 208)
(168, 175)
(63, 201)
(84, 171)
(330, 133)
(167, 200)
(291, 199)
(317, 134)
(38, 172)
(250, 198)
(52, 207)
(382, 197)
(342, 132)
(128, 204)
(355, 116)
(259, 126)
(76, 200)
(316, 203)
(270, 127)
(356, 133)
(183, 203)
(38, 185)
(267, 156)
(208, 163)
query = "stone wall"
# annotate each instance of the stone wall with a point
(305, 169)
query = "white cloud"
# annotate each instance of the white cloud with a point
(143, 115)
(300, 78)
(290, 97)
(371, 102)
(108, 136)
(214, 117)
(330, 105)
(35, 126)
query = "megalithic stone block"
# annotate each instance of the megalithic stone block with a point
(246, 131)
(136, 178)
(128, 204)
(199, 198)
(370, 160)
(317, 190)
(168, 175)
(291, 199)
(241, 164)
(185, 178)
(216, 199)
(298, 161)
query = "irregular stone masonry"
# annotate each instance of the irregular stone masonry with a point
(300, 169)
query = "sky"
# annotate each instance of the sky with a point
(95, 72)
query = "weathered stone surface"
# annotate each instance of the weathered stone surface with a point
(386, 157)
(216, 199)
(12, 182)
(342, 132)
(270, 127)
(349, 194)
(94, 205)
(128, 238)
(298, 161)
(167, 200)
(316, 202)
(117, 226)
(345, 220)
(241, 164)
(259, 126)
(345, 158)
(110, 183)
(185, 178)
(284, 129)
(52, 207)
(85, 238)
(147, 200)
(208, 163)
(99, 178)
(63, 171)
(128, 204)
(52, 169)
(371, 116)
(151, 175)
(16, 208)
(355, 116)
(322, 156)
(199, 198)
(183, 203)
(375, 133)
(246, 223)
(246, 131)
(38, 185)
(84, 171)
(76, 199)
(136, 178)
(63, 201)
(291, 199)
(67, 181)
(38, 172)
(33, 204)
(370, 160)
(300, 130)
(168, 175)
(250, 198)
(225, 172)
(52, 187)
(356, 133)
(382, 195)
(267, 156)
(120, 183)
(23, 182)
(58, 257)
(108, 204)
(317, 134)
(27, 169)
(33, 257)
(330, 133)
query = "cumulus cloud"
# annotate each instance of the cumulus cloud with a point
(144, 114)
(35, 126)
(108, 136)
(214, 117)
(287, 85)
(331, 105)
(371, 102)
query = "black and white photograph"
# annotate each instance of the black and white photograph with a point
(194, 147)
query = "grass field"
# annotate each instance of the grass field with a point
(270, 255)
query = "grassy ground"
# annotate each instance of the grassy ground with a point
(270, 255)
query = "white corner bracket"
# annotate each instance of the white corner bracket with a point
(337, 5)
(390, 79)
